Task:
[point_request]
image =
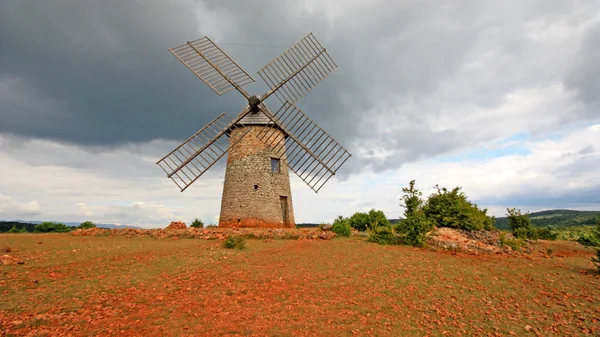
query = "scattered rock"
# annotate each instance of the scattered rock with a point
(8, 260)
(177, 225)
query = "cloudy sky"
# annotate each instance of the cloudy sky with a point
(501, 98)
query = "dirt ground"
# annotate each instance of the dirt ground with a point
(119, 286)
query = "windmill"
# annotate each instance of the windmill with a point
(262, 144)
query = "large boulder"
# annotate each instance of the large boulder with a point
(177, 225)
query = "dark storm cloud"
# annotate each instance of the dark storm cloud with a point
(585, 74)
(99, 73)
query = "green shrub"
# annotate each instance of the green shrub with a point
(522, 228)
(377, 218)
(546, 233)
(236, 242)
(359, 221)
(341, 226)
(589, 240)
(14, 229)
(86, 225)
(452, 209)
(415, 226)
(363, 221)
(596, 260)
(52, 227)
(383, 235)
(197, 223)
(514, 244)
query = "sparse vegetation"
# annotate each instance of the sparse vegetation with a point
(234, 242)
(197, 223)
(86, 225)
(341, 226)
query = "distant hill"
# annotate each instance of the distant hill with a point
(556, 218)
(5, 226)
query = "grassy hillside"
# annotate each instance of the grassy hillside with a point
(556, 218)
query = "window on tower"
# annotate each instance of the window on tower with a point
(275, 165)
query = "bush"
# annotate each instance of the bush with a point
(341, 226)
(522, 228)
(363, 221)
(596, 259)
(383, 235)
(452, 209)
(197, 223)
(514, 244)
(236, 242)
(359, 221)
(14, 229)
(415, 226)
(52, 227)
(86, 225)
(589, 240)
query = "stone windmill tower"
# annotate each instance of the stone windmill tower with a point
(263, 145)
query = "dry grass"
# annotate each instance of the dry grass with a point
(143, 286)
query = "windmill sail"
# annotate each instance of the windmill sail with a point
(212, 65)
(309, 151)
(188, 161)
(298, 70)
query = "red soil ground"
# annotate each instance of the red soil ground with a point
(115, 286)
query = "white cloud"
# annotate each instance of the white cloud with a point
(9, 206)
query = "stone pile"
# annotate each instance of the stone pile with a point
(472, 242)
(177, 225)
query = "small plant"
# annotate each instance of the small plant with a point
(514, 244)
(234, 242)
(86, 225)
(197, 223)
(549, 251)
(383, 235)
(341, 226)
(14, 229)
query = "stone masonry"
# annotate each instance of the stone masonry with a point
(253, 195)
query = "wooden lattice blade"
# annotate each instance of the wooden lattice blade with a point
(298, 70)
(210, 63)
(188, 161)
(309, 151)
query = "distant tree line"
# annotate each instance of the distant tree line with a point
(44, 227)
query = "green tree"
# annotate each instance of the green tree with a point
(13, 229)
(359, 221)
(518, 221)
(414, 227)
(86, 225)
(197, 223)
(52, 227)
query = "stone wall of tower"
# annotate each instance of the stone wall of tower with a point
(251, 191)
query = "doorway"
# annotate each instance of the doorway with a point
(284, 210)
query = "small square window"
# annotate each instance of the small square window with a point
(275, 165)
